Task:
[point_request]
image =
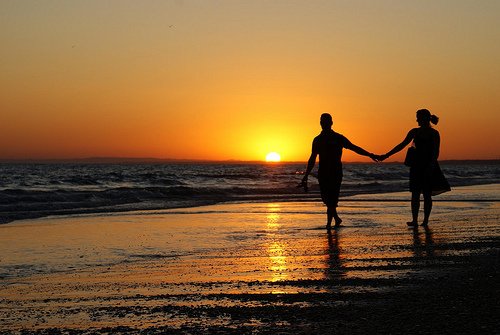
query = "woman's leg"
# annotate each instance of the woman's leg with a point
(415, 206)
(427, 207)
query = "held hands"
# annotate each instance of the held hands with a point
(383, 157)
(375, 158)
(378, 158)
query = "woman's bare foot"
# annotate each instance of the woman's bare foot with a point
(338, 221)
(412, 224)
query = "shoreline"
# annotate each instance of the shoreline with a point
(9, 217)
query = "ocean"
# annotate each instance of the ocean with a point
(43, 189)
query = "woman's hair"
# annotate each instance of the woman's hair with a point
(434, 119)
(426, 115)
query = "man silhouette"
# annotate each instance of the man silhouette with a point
(328, 145)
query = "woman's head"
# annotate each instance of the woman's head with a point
(424, 117)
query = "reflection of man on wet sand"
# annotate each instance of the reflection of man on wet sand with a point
(334, 269)
(328, 145)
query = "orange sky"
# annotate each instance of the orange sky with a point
(238, 79)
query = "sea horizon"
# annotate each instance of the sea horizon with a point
(151, 160)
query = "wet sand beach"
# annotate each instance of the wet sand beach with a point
(258, 268)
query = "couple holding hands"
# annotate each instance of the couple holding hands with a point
(426, 177)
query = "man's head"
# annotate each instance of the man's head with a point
(326, 121)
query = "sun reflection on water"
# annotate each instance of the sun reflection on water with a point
(273, 222)
(276, 248)
(278, 266)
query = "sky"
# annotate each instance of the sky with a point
(235, 80)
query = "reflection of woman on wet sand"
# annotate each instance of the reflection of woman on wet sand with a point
(428, 246)
(425, 175)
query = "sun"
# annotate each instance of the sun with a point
(273, 157)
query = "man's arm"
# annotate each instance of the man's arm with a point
(359, 150)
(310, 165)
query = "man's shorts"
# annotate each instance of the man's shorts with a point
(330, 189)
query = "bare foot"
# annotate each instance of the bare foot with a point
(425, 223)
(338, 221)
(412, 224)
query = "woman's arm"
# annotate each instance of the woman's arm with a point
(409, 137)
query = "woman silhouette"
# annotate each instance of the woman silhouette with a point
(425, 174)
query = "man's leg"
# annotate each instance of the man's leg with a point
(330, 190)
(329, 217)
(331, 213)
(336, 194)
(338, 220)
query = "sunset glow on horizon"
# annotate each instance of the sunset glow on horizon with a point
(236, 80)
(273, 157)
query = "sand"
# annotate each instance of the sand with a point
(265, 268)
